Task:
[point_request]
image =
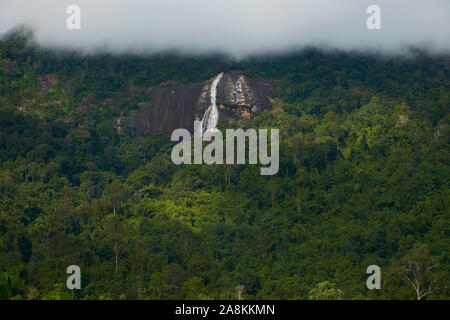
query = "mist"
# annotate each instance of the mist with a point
(235, 27)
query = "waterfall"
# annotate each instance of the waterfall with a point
(211, 116)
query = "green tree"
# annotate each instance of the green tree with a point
(114, 234)
(115, 193)
(326, 290)
(5, 286)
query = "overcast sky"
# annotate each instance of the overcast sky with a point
(237, 27)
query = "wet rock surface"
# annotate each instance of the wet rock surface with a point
(171, 108)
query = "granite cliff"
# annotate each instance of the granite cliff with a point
(170, 108)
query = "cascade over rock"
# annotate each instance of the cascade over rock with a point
(229, 95)
(211, 116)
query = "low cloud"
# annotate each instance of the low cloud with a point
(236, 27)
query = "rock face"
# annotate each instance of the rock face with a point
(169, 109)
(177, 107)
(241, 97)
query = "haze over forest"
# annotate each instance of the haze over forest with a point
(233, 27)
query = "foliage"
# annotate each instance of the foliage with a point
(326, 291)
(364, 178)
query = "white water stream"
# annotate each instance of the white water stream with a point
(211, 116)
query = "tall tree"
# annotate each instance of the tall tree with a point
(114, 234)
(420, 269)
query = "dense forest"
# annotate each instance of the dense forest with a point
(363, 180)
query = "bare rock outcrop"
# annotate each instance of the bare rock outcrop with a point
(171, 108)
